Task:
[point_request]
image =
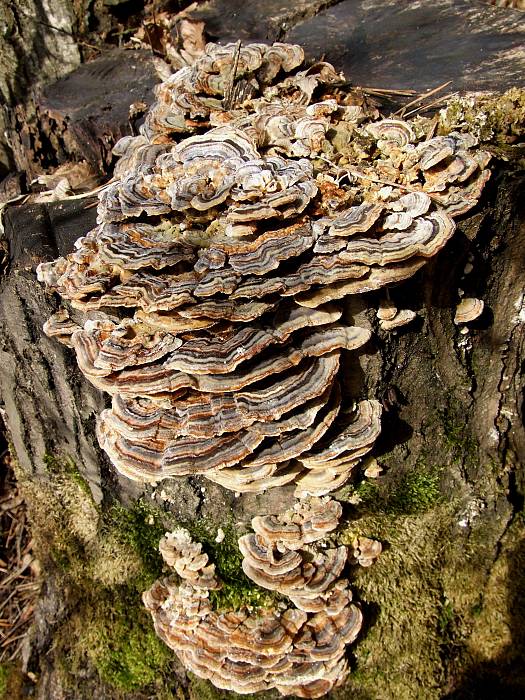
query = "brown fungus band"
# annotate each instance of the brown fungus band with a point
(297, 647)
(257, 193)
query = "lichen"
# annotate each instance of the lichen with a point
(498, 119)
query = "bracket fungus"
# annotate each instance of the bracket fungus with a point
(253, 197)
(296, 647)
(468, 309)
(400, 318)
(365, 551)
(257, 195)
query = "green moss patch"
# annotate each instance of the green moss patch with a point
(140, 529)
(115, 633)
(105, 559)
(415, 491)
(102, 560)
(237, 589)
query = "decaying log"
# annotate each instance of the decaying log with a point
(82, 116)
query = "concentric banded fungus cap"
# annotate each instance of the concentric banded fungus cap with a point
(308, 521)
(401, 318)
(275, 556)
(392, 131)
(387, 310)
(186, 558)
(298, 649)
(252, 197)
(469, 309)
(332, 462)
(61, 326)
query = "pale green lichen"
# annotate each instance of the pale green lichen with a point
(499, 119)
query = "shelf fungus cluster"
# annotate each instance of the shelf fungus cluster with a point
(257, 194)
(297, 647)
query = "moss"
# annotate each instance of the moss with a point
(4, 678)
(237, 589)
(446, 616)
(139, 528)
(118, 638)
(64, 517)
(368, 492)
(461, 446)
(404, 594)
(12, 682)
(66, 465)
(415, 491)
(451, 615)
(103, 561)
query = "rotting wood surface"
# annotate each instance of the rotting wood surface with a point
(454, 406)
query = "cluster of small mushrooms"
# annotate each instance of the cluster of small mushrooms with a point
(257, 195)
(297, 647)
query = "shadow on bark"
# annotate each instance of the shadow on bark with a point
(503, 677)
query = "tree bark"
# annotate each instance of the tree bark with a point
(37, 46)
(442, 604)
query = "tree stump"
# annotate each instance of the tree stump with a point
(442, 604)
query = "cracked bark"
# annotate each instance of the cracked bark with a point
(454, 402)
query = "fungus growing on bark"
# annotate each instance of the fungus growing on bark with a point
(276, 555)
(387, 310)
(468, 309)
(61, 326)
(400, 318)
(253, 197)
(365, 551)
(299, 647)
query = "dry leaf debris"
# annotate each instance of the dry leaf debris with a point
(19, 568)
(257, 194)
